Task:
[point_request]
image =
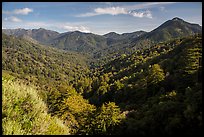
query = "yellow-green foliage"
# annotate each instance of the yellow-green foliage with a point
(77, 113)
(108, 116)
(24, 112)
(156, 74)
(76, 104)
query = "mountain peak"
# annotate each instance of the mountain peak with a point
(111, 34)
(177, 19)
(41, 29)
(76, 31)
(20, 28)
(38, 29)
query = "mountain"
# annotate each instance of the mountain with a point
(112, 35)
(111, 43)
(79, 41)
(116, 39)
(166, 78)
(41, 35)
(23, 57)
(133, 34)
(16, 32)
(120, 97)
(170, 29)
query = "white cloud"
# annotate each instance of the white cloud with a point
(147, 5)
(13, 19)
(128, 10)
(23, 11)
(117, 11)
(76, 28)
(111, 10)
(146, 13)
(101, 11)
(107, 3)
(88, 14)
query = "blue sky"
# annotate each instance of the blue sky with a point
(97, 17)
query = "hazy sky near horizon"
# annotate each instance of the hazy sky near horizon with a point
(97, 17)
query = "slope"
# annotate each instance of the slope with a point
(49, 67)
(119, 44)
(112, 44)
(40, 35)
(79, 41)
(170, 29)
(160, 86)
(24, 112)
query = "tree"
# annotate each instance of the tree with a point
(108, 116)
(189, 61)
(77, 112)
(192, 59)
(156, 74)
(123, 56)
(118, 85)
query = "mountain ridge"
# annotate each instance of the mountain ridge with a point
(90, 43)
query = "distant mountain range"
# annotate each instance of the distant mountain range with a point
(110, 42)
(113, 35)
(41, 35)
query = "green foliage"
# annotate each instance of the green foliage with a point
(51, 69)
(108, 116)
(142, 90)
(24, 112)
(78, 111)
(191, 59)
(156, 89)
(75, 104)
(118, 85)
(156, 74)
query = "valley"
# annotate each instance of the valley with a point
(139, 83)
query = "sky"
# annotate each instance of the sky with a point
(97, 17)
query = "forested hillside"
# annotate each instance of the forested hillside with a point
(159, 86)
(38, 70)
(139, 83)
(40, 64)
